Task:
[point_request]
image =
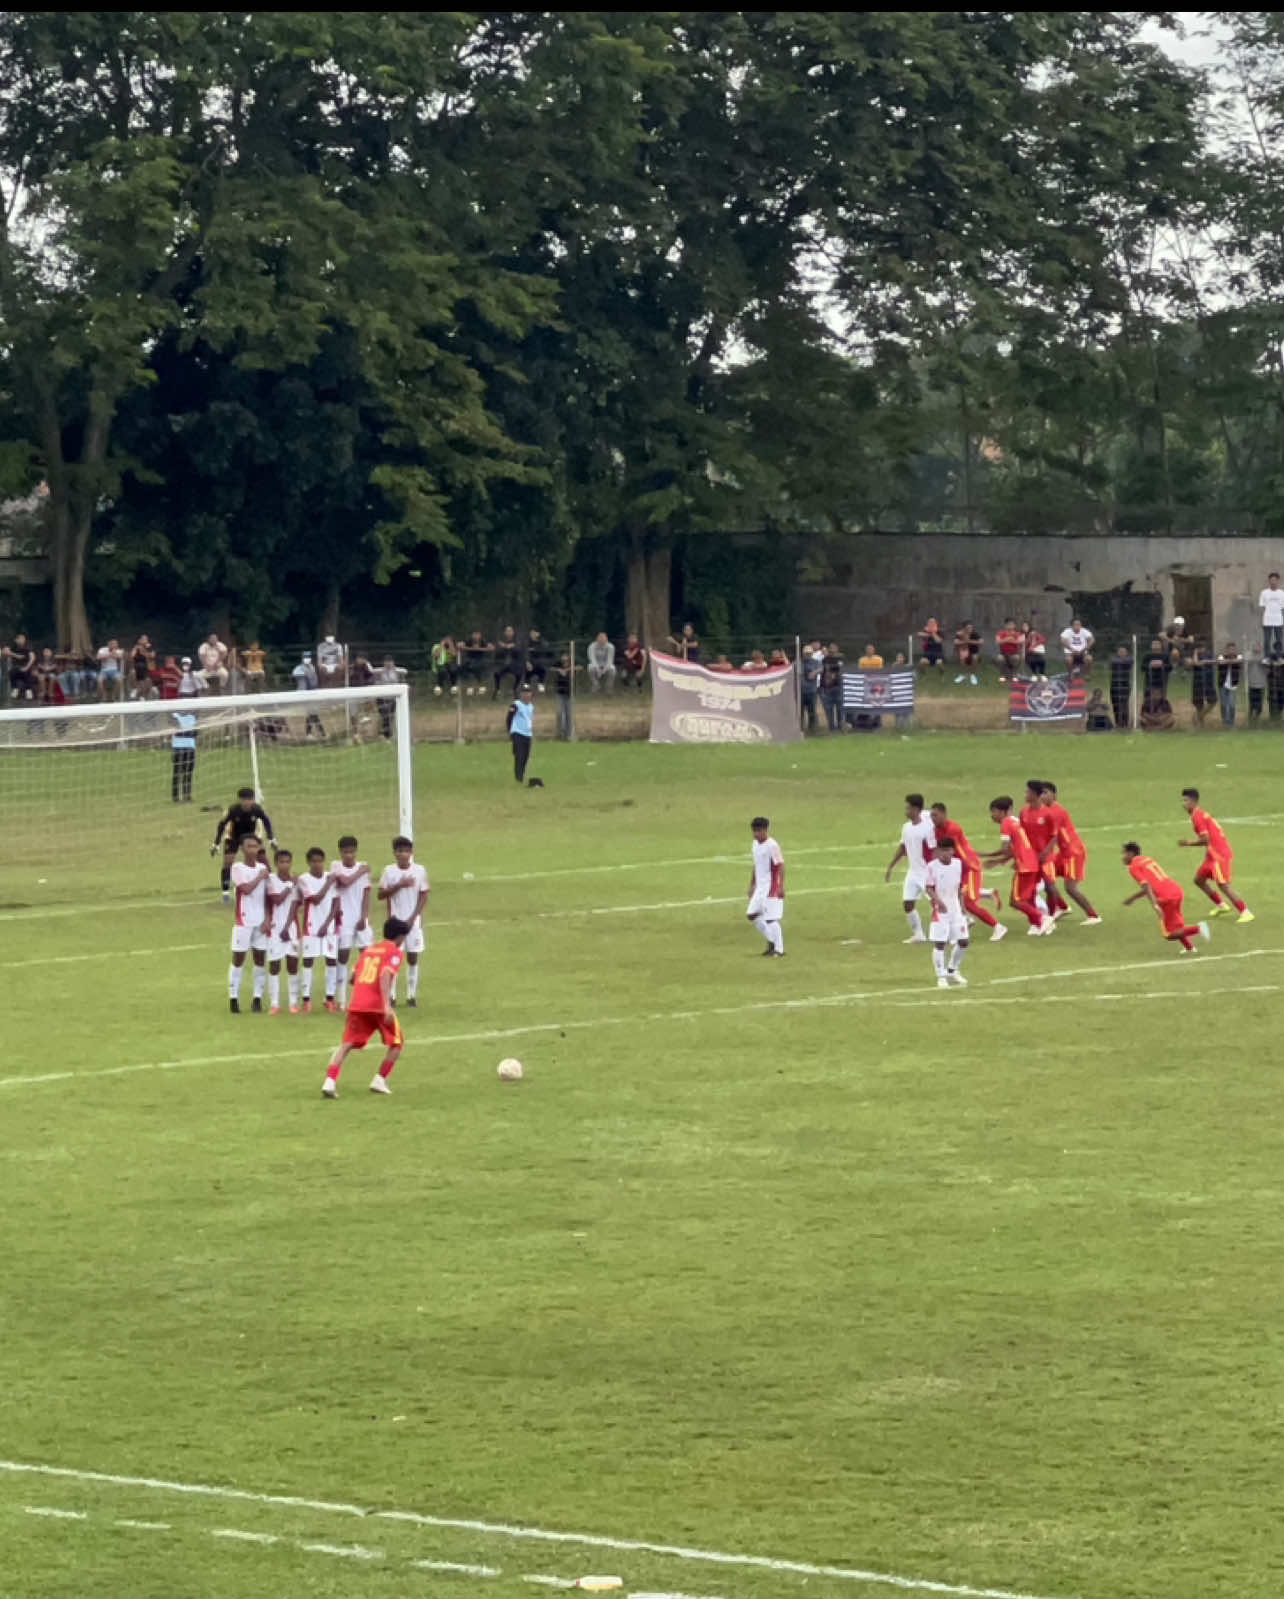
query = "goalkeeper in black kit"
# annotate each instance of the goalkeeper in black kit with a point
(241, 820)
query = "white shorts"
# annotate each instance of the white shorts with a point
(327, 947)
(772, 910)
(913, 888)
(248, 938)
(362, 939)
(948, 929)
(415, 941)
(280, 949)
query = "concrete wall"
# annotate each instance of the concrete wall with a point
(883, 586)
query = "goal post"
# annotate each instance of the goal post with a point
(86, 788)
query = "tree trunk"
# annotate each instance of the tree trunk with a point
(649, 585)
(74, 489)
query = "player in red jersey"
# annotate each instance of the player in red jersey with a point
(1165, 895)
(1070, 854)
(1018, 849)
(1219, 858)
(370, 1009)
(973, 893)
(1039, 830)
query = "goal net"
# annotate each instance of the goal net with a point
(113, 801)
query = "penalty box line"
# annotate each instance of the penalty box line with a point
(500, 1529)
(914, 994)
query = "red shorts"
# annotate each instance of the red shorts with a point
(362, 1023)
(1025, 885)
(972, 883)
(1072, 867)
(1170, 912)
(1218, 867)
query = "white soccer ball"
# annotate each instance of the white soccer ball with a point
(510, 1070)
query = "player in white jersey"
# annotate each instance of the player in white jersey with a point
(283, 931)
(767, 888)
(248, 878)
(918, 840)
(406, 889)
(353, 885)
(943, 878)
(319, 906)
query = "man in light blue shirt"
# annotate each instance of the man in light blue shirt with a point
(521, 731)
(184, 747)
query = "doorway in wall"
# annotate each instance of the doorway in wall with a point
(1193, 599)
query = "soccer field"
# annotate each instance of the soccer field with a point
(780, 1278)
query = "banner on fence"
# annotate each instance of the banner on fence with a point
(875, 692)
(1051, 699)
(692, 705)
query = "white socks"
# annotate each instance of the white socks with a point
(274, 990)
(760, 922)
(260, 980)
(776, 934)
(938, 959)
(412, 980)
(293, 984)
(915, 923)
(956, 959)
(307, 982)
(234, 976)
(343, 985)
(331, 977)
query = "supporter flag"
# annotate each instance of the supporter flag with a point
(692, 705)
(1052, 699)
(874, 692)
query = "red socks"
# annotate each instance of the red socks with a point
(385, 1067)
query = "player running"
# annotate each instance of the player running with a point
(973, 892)
(1215, 869)
(918, 840)
(767, 888)
(371, 1009)
(1165, 895)
(405, 887)
(318, 908)
(1070, 854)
(1017, 848)
(352, 882)
(1039, 830)
(249, 878)
(239, 821)
(943, 879)
(283, 931)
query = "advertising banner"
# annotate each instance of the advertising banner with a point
(692, 705)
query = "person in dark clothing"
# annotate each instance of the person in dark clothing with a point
(1203, 681)
(565, 704)
(1230, 670)
(831, 687)
(183, 744)
(1121, 686)
(539, 657)
(1255, 677)
(237, 823)
(1157, 665)
(510, 661)
(812, 656)
(474, 656)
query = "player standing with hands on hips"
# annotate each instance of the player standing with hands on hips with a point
(767, 888)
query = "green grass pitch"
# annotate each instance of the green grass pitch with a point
(802, 1260)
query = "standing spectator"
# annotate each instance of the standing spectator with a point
(831, 687)
(188, 686)
(22, 666)
(510, 661)
(1177, 642)
(1230, 668)
(184, 748)
(111, 667)
(213, 657)
(332, 658)
(686, 644)
(1076, 645)
(445, 666)
(255, 669)
(1036, 652)
(812, 656)
(1121, 686)
(389, 672)
(967, 649)
(871, 661)
(46, 675)
(1009, 642)
(142, 659)
(633, 663)
(1271, 603)
(1158, 664)
(538, 659)
(1255, 677)
(306, 681)
(171, 675)
(1203, 681)
(565, 701)
(476, 656)
(931, 643)
(362, 673)
(521, 731)
(601, 663)
(1275, 689)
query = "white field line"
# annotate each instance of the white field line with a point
(101, 955)
(208, 902)
(239, 1536)
(60, 1515)
(534, 1029)
(344, 1551)
(457, 1566)
(542, 1581)
(143, 1526)
(500, 1529)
